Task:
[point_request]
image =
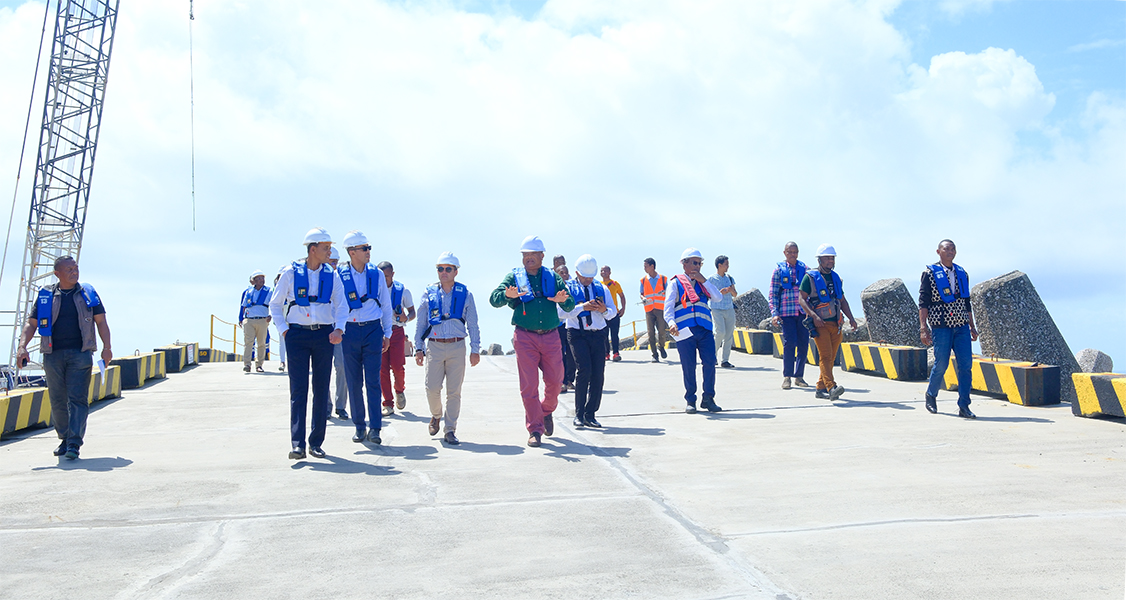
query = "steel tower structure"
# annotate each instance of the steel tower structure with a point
(68, 141)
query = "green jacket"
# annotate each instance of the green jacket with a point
(540, 313)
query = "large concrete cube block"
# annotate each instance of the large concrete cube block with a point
(750, 309)
(891, 312)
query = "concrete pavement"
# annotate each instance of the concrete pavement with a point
(184, 491)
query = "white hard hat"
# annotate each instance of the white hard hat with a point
(532, 243)
(690, 253)
(826, 250)
(334, 254)
(355, 238)
(257, 273)
(586, 266)
(448, 258)
(317, 235)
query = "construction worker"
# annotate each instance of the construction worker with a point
(946, 319)
(690, 322)
(786, 313)
(339, 376)
(395, 358)
(653, 288)
(367, 334)
(822, 298)
(308, 307)
(254, 318)
(532, 292)
(586, 336)
(450, 316)
(613, 325)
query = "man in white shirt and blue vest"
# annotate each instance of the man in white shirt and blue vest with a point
(308, 307)
(690, 323)
(586, 336)
(254, 318)
(366, 336)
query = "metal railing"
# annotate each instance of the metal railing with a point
(235, 328)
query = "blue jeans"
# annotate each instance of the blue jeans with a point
(703, 342)
(304, 347)
(68, 386)
(795, 346)
(363, 354)
(958, 340)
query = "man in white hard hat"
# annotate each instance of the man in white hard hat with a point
(786, 313)
(254, 318)
(395, 358)
(822, 298)
(586, 336)
(689, 319)
(946, 319)
(340, 378)
(532, 291)
(309, 308)
(278, 326)
(366, 336)
(449, 315)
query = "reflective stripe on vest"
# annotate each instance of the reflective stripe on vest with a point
(654, 298)
(823, 291)
(45, 306)
(301, 295)
(355, 301)
(692, 314)
(791, 278)
(253, 297)
(527, 294)
(942, 282)
(578, 291)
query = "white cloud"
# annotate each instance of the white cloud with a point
(1097, 45)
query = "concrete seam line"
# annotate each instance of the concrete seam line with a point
(931, 520)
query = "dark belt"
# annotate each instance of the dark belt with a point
(310, 327)
(363, 323)
(446, 340)
(536, 331)
(256, 318)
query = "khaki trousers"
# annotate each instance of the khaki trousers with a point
(254, 330)
(828, 341)
(445, 362)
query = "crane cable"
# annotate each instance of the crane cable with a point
(23, 145)
(191, 85)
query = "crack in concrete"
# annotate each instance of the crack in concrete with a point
(166, 582)
(908, 521)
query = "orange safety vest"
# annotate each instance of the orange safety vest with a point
(654, 298)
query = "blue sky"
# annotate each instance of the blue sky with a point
(626, 130)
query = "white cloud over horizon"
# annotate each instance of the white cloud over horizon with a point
(625, 129)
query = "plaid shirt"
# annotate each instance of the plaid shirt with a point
(783, 302)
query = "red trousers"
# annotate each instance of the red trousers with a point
(393, 361)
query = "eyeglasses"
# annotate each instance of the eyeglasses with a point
(361, 248)
(446, 269)
(696, 262)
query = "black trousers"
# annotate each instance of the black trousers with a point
(589, 350)
(568, 360)
(612, 327)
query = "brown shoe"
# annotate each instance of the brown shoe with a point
(534, 440)
(434, 423)
(548, 425)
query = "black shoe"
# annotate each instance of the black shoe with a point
(962, 412)
(711, 406)
(564, 390)
(617, 357)
(342, 415)
(932, 404)
(821, 394)
(663, 355)
(373, 437)
(61, 450)
(451, 439)
(297, 453)
(72, 453)
(316, 452)
(656, 360)
(578, 422)
(548, 425)
(534, 440)
(690, 409)
(592, 422)
(360, 436)
(726, 365)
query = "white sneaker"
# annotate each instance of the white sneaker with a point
(786, 383)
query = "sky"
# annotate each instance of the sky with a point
(625, 130)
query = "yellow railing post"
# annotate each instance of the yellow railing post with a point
(234, 336)
(211, 342)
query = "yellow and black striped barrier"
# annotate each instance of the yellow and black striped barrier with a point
(754, 341)
(1100, 394)
(175, 358)
(1022, 382)
(212, 355)
(136, 370)
(105, 385)
(25, 407)
(902, 363)
(812, 356)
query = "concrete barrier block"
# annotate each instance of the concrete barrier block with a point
(754, 341)
(1021, 382)
(812, 356)
(891, 313)
(192, 351)
(1099, 394)
(751, 308)
(1093, 361)
(136, 370)
(103, 386)
(175, 358)
(25, 408)
(902, 363)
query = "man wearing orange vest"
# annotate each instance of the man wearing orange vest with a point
(653, 293)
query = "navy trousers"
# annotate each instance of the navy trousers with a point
(702, 341)
(305, 347)
(363, 354)
(68, 383)
(568, 359)
(589, 350)
(795, 346)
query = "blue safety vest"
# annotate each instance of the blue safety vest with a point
(691, 314)
(301, 295)
(374, 277)
(547, 284)
(791, 278)
(253, 297)
(943, 283)
(45, 305)
(397, 297)
(578, 291)
(822, 290)
(434, 304)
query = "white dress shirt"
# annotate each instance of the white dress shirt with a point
(597, 319)
(334, 312)
(370, 311)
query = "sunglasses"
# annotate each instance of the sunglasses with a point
(446, 269)
(696, 262)
(361, 248)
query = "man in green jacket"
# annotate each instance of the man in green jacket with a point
(533, 293)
